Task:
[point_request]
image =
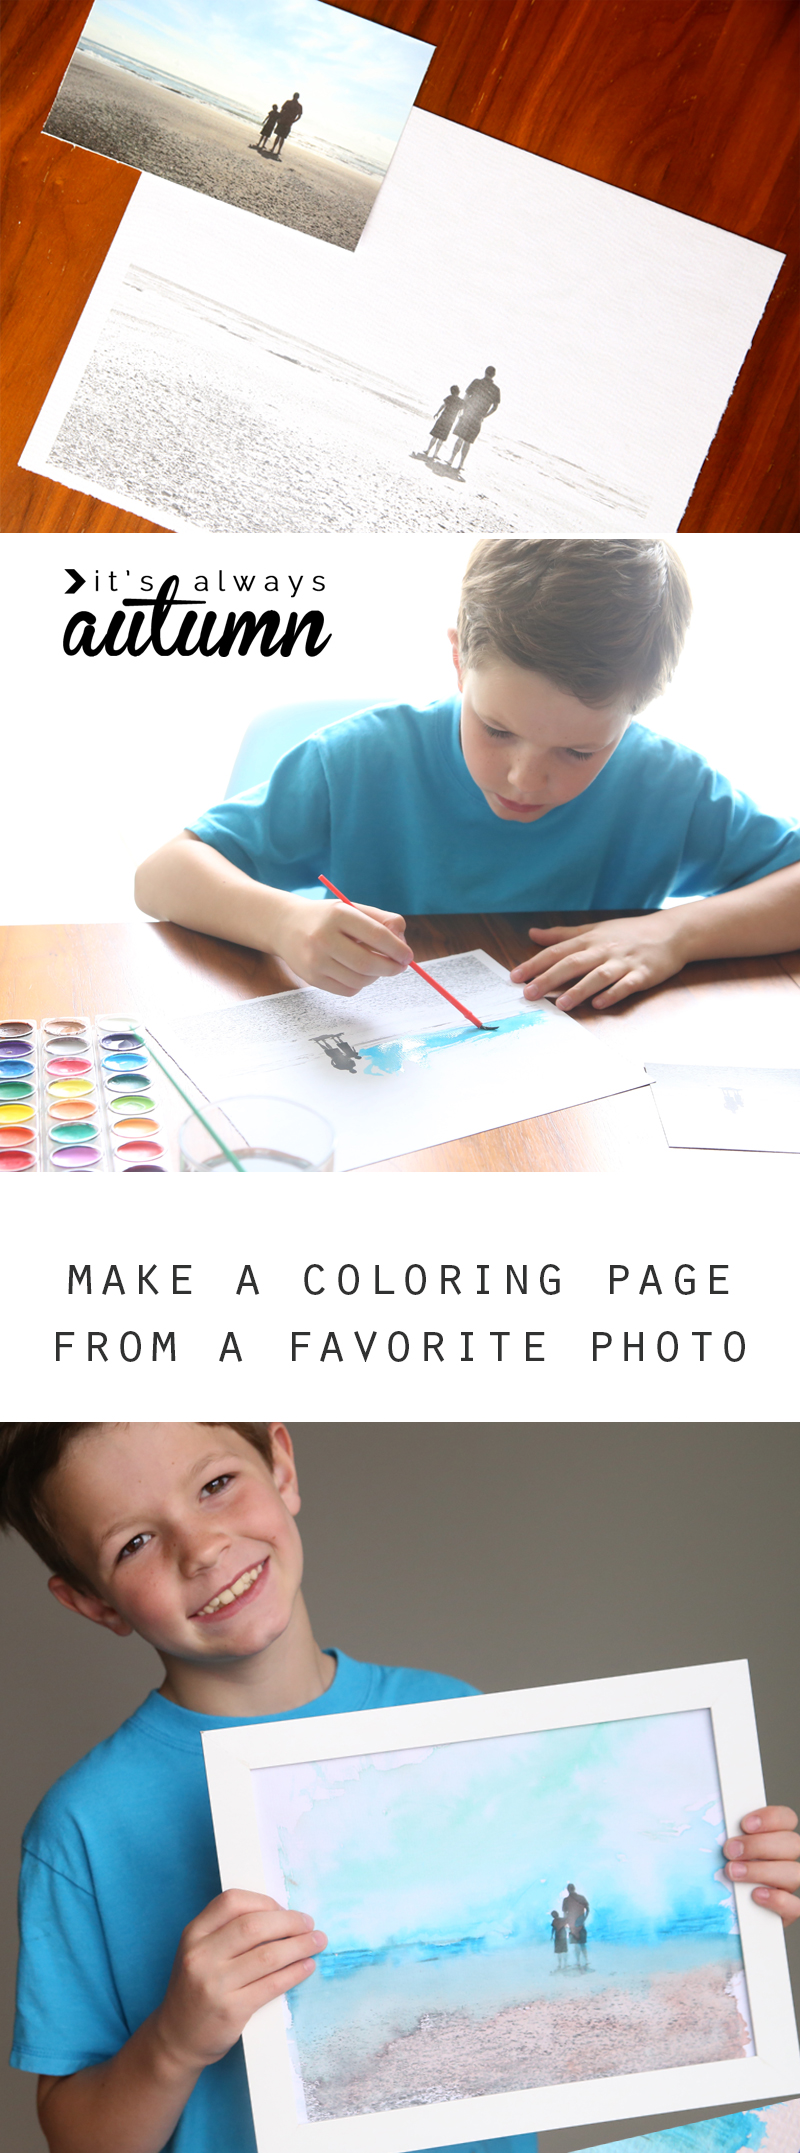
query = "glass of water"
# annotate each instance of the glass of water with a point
(256, 1135)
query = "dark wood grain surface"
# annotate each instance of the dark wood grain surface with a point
(691, 103)
(164, 972)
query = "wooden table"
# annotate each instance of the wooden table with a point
(691, 103)
(159, 972)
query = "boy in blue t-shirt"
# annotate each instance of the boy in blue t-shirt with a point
(137, 1976)
(532, 790)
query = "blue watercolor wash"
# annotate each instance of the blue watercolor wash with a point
(743, 2133)
(392, 1056)
(354, 2011)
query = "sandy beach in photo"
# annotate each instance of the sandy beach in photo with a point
(119, 115)
(676, 2018)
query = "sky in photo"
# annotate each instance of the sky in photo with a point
(356, 80)
(480, 1839)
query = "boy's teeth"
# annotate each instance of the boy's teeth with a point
(233, 1592)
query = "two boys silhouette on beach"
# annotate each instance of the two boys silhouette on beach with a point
(280, 124)
(464, 416)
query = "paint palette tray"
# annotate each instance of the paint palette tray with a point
(72, 1139)
(134, 1122)
(19, 1096)
(78, 1097)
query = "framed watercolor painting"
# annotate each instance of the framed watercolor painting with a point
(527, 1917)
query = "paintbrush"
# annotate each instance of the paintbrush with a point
(198, 1113)
(428, 976)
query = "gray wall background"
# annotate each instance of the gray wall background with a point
(447, 1547)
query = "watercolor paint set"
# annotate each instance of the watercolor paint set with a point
(78, 1097)
(19, 1101)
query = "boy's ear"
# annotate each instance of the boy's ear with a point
(88, 1604)
(452, 637)
(284, 1470)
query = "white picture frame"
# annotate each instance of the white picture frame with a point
(233, 1755)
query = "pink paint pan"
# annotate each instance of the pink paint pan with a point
(76, 1158)
(139, 1151)
(70, 1065)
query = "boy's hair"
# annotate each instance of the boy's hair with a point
(599, 617)
(30, 1450)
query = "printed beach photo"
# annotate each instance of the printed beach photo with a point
(506, 1913)
(291, 109)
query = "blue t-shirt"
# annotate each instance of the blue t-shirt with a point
(384, 805)
(117, 1859)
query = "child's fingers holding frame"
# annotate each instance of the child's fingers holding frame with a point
(239, 1953)
(767, 1854)
(244, 1917)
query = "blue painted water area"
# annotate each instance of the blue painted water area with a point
(392, 1056)
(345, 2017)
(742, 2133)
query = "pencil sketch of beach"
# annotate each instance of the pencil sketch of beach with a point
(513, 1912)
(211, 417)
(511, 347)
(173, 95)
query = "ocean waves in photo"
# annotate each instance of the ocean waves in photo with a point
(198, 94)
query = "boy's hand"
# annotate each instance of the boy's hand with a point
(603, 961)
(239, 1953)
(767, 1854)
(341, 947)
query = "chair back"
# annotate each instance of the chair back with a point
(274, 732)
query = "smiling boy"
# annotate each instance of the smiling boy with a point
(136, 1975)
(534, 789)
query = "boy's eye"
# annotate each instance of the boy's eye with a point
(132, 1546)
(223, 1480)
(496, 732)
(580, 755)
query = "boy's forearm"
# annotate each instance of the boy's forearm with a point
(192, 884)
(130, 2104)
(758, 921)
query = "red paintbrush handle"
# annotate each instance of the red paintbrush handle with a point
(414, 967)
(448, 997)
